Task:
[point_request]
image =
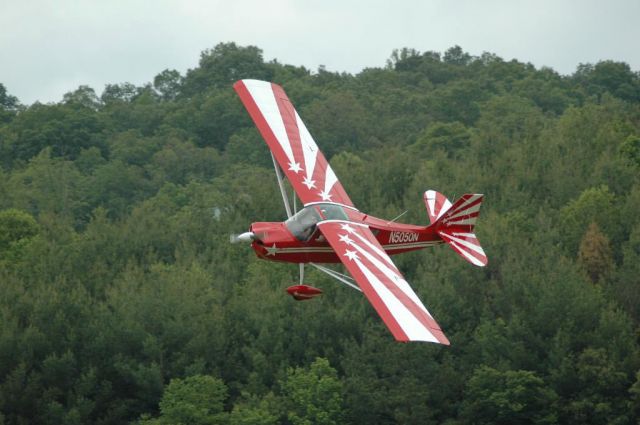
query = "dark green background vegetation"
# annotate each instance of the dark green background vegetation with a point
(121, 299)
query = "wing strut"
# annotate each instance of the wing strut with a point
(347, 280)
(285, 199)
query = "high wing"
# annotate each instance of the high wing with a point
(382, 283)
(290, 143)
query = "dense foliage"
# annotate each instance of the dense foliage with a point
(121, 299)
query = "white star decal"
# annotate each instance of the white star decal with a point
(347, 228)
(309, 183)
(295, 167)
(272, 250)
(346, 239)
(351, 255)
(325, 196)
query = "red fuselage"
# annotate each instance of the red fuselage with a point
(298, 241)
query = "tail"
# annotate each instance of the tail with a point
(455, 223)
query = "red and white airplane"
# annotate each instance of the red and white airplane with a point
(330, 229)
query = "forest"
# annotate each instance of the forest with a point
(122, 300)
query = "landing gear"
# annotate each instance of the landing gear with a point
(303, 292)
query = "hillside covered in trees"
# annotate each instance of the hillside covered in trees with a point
(121, 299)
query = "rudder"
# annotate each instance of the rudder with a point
(436, 203)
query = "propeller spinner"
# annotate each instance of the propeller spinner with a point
(242, 237)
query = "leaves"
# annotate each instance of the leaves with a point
(313, 396)
(511, 397)
(197, 400)
(122, 300)
(595, 253)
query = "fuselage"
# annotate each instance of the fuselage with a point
(297, 240)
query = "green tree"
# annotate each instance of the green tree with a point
(593, 205)
(197, 400)
(458, 101)
(83, 96)
(124, 92)
(510, 397)
(7, 101)
(595, 253)
(132, 148)
(16, 225)
(456, 56)
(313, 395)
(256, 411)
(449, 137)
(625, 285)
(338, 120)
(64, 128)
(630, 150)
(615, 77)
(168, 84)
(9, 105)
(223, 65)
(48, 185)
(598, 390)
(17, 230)
(405, 59)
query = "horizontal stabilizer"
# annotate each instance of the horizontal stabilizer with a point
(466, 245)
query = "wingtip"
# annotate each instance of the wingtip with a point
(441, 337)
(253, 81)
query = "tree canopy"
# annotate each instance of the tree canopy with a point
(121, 299)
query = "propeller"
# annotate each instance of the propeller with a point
(242, 237)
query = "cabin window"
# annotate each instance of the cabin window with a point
(333, 212)
(303, 224)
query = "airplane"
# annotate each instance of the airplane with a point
(330, 229)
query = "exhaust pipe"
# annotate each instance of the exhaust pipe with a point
(242, 237)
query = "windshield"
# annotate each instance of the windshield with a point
(303, 224)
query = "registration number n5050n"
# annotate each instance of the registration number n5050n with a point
(402, 237)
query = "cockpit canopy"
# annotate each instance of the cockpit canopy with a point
(303, 224)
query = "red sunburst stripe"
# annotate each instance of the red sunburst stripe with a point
(458, 247)
(439, 200)
(422, 317)
(286, 112)
(288, 115)
(420, 314)
(439, 204)
(462, 250)
(460, 207)
(382, 309)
